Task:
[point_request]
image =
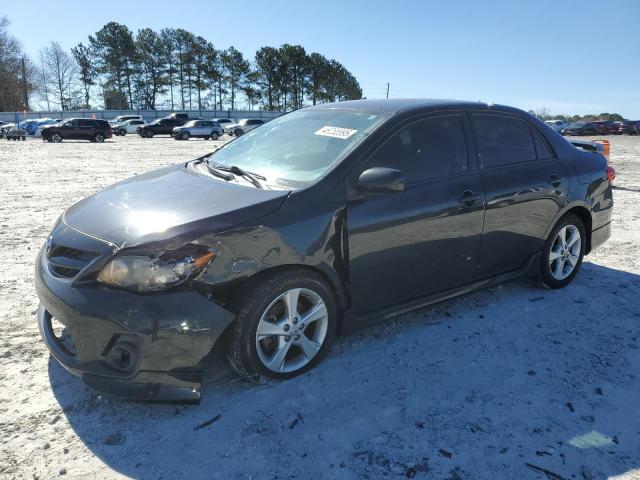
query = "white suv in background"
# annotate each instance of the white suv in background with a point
(243, 126)
(557, 125)
(124, 118)
(130, 126)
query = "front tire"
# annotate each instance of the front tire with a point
(284, 326)
(185, 135)
(56, 138)
(563, 252)
(214, 136)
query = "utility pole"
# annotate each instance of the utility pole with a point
(387, 89)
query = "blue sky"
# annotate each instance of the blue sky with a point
(571, 56)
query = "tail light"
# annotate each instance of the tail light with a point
(611, 173)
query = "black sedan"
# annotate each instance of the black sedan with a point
(314, 224)
(581, 128)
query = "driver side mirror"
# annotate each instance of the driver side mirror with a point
(381, 180)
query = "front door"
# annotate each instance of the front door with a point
(525, 187)
(425, 239)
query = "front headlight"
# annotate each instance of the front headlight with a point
(147, 273)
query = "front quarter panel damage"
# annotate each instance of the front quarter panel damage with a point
(245, 251)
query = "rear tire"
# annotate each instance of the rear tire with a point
(237, 132)
(214, 136)
(563, 252)
(266, 304)
(98, 138)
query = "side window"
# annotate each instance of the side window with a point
(542, 147)
(502, 140)
(426, 149)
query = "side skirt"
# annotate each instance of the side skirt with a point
(352, 322)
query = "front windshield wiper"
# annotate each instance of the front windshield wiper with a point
(216, 172)
(252, 177)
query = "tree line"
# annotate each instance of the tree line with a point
(544, 114)
(171, 69)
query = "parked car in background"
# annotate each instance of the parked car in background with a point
(77, 129)
(557, 125)
(43, 123)
(16, 132)
(604, 127)
(327, 218)
(243, 126)
(123, 118)
(627, 127)
(128, 126)
(580, 128)
(225, 122)
(5, 128)
(161, 126)
(178, 116)
(207, 129)
(30, 125)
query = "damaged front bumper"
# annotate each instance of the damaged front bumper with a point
(145, 347)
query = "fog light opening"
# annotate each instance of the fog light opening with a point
(122, 356)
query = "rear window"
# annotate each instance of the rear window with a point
(502, 140)
(543, 149)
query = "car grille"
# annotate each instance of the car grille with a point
(66, 262)
(68, 251)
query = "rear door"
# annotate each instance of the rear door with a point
(426, 239)
(86, 129)
(204, 128)
(525, 186)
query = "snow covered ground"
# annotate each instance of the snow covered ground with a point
(514, 382)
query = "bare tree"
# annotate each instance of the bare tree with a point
(59, 73)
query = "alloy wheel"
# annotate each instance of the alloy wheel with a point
(565, 252)
(56, 138)
(291, 330)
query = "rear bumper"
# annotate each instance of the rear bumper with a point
(600, 235)
(165, 337)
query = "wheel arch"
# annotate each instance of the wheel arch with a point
(582, 211)
(325, 272)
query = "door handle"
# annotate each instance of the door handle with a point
(555, 180)
(468, 198)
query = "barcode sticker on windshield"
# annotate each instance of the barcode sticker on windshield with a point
(336, 132)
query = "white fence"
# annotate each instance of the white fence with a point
(146, 114)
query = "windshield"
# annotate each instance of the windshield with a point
(190, 123)
(296, 149)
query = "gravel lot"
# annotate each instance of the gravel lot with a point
(506, 383)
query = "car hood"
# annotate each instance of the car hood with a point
(169, 204)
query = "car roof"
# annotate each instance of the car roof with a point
(398, 105)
